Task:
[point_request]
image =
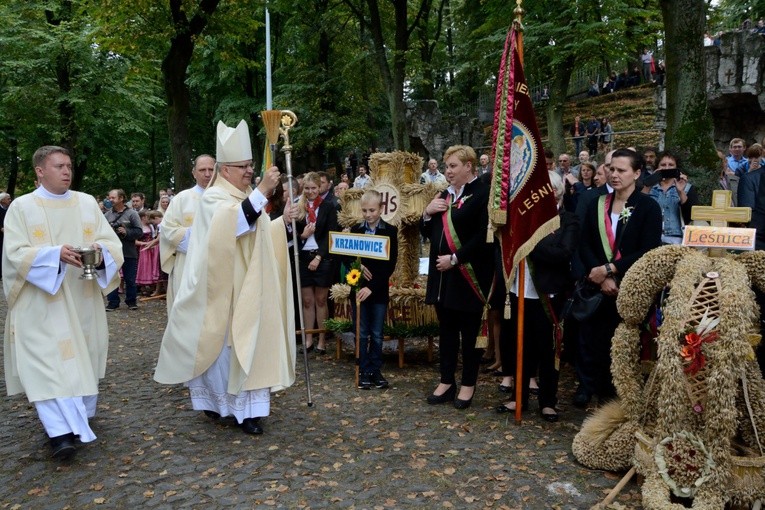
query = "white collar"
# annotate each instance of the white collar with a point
(198, 189)
(44, 193)
(453, 192)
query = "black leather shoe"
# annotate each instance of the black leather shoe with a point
(505, 389)
(212, 415)
(447, 396)
(251, 426)
(462, 404)
(321, 352)
(62, 447)
(310, 348)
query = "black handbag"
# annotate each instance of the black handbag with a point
(586, 298)
(584, 301)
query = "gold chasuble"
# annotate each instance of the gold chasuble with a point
(236, 291)
(175, 223)
(55, 345)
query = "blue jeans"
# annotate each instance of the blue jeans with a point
(370, 335)
(129, 270)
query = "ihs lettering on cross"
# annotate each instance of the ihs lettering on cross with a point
(396, 176)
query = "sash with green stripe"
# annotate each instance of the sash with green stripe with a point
(605, 227)
(466, 269)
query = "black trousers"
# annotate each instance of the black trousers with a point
(538, 349)
(456, 325)
(594, 360)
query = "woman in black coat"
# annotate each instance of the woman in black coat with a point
(460, 272)
(618, 229)
(548, 280)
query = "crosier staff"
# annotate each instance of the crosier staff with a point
(279, 122)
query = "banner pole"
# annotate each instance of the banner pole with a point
(519, 340)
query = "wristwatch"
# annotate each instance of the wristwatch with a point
(453, 260)
(609, 273)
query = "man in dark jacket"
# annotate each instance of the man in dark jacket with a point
(127, 225)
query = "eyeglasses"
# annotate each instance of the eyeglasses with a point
(242, 167)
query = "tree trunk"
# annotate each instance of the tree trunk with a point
(556, 131)
(393, 80)
(178, 107)
(689, 123)
(70, 133)
(174, 68)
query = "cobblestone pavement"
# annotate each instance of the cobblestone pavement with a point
(352, 449)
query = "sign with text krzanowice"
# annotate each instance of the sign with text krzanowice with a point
(359, 245)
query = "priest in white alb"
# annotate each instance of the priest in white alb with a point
(230, 334)
(56, 337)
(175, 230)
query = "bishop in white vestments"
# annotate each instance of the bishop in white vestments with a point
(230, 333)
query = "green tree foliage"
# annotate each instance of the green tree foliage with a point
(728, 14)
(559, 38)
(60, 87)
(135, 87)
(174, 27)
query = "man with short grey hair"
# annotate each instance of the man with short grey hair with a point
(432, 175)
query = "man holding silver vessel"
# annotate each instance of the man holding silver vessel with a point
(56, 335)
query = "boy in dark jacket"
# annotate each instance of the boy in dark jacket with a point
(373, 293)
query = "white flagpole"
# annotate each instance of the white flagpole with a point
(269, 92)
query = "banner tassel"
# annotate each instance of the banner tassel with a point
(508, 311)
(482, 340)
(490, 233)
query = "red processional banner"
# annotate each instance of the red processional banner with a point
(522, 206)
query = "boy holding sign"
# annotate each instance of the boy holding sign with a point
(373, 294)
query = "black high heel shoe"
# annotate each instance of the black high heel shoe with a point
(310, 348)
(443, 398)
(551, 417)
(502, 408)
(464, 404)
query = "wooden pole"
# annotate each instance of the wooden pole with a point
(519, 341)
(358, 334)
(616, 490)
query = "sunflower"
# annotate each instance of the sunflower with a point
(353, 277)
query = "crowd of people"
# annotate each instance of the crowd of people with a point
(218, 251)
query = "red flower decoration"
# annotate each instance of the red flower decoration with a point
(693, 339)
(689, 352)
